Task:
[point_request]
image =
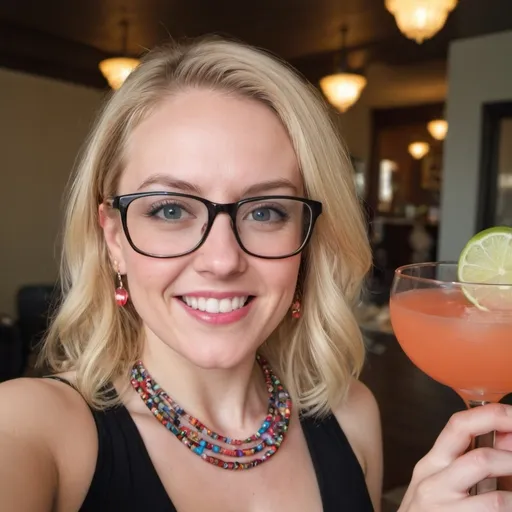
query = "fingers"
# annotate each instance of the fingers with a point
(445, 474)
(456, 437)
(471, 468)
(497, 501)
(503, 441)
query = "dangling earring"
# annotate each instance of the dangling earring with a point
(296, 307)
(121, 294)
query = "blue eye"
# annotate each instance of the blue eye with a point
(268, 214)
(262, 214)
(168, 211)
(171, 212)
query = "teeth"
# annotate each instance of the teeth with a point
(211, 305)
(226, 305)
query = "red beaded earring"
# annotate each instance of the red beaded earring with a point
(121, 294)
(296, 307)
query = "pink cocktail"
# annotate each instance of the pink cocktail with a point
(449, 338)
(454, 342)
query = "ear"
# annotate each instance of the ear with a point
(110, 223)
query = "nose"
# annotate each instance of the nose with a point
(220, 255)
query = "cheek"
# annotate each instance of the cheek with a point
(147, 275)
(281, 275)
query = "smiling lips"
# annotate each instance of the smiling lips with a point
(221, 309)
(215, 305)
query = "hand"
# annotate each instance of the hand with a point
(441, 479)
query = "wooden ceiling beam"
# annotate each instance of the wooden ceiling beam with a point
(36, 52)
(39, 53)
(393, 51)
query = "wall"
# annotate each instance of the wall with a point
(43, 124)
(388, 87)
(479, 71)
(504, 201)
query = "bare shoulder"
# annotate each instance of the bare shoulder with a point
(44, 411)
(359, 404)
(359, 417)
(26, 398)
(53, 403)
(40, 420)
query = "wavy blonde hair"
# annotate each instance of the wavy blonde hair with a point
(315, 356)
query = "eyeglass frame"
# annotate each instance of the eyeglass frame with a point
(122, 202)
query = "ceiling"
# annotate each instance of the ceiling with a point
(66, 39)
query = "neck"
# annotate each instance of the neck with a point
(232, 401)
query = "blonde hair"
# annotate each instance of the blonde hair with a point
(315, 356)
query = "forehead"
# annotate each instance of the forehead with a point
(218, 142)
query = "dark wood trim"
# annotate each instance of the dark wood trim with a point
(39, 53)
(492, 115)
(393, 51)
(392, 117)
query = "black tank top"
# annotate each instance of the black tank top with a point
(125, 478)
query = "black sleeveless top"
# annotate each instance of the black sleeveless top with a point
(125, 479)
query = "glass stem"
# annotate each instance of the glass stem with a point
(482, 441)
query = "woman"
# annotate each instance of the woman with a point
(213, 250)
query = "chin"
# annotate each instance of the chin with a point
(209, 355)
(210, 344)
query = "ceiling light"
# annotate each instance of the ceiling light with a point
(438, 128)
(419, 149)
(420, 19)
(343, 88)
(117, 69)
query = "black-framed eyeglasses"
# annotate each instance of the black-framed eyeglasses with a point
(172, 224)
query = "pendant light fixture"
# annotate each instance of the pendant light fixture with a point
(343, 88)
(420, 19)
(419, 149)
(117, 69)
(438, 128)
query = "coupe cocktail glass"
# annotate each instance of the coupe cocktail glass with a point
(452, 340)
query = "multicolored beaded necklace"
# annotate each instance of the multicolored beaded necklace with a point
(204, 441)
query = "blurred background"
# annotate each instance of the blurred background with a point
(422, 95)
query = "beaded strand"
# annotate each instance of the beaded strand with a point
(201, 440)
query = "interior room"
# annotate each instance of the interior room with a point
(422, 102)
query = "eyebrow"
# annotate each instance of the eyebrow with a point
(253, 190)
(267, 186)
(170, 182)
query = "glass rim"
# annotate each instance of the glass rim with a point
(399, 273)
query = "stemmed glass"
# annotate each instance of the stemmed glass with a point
(460, 334)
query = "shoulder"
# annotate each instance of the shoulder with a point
(21, 399)
(359, 417)
(45, 410)
(51, 427)
(49, 399)
(358, 404)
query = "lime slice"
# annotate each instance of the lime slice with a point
(487, 259)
